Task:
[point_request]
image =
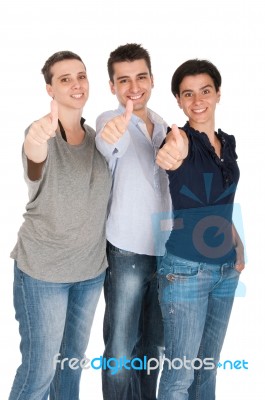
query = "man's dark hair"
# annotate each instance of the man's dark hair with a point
(195, 67)
(57, 57)
(128, 52)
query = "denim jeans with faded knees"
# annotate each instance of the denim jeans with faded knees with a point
(196, 301)
(53, 318)
(132, 324)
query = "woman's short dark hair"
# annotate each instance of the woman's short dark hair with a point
(195, 67)
(57, 57)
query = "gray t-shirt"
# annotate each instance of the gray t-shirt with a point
(63, 236)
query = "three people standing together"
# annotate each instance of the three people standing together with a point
(60, 258)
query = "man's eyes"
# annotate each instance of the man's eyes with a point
(141, 77)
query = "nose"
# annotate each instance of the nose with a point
(76, 83)
(134, 86)
(197, 97)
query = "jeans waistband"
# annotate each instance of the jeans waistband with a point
(173, 259)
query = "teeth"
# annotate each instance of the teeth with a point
(77, 96)
(200, 110)
(135, 97)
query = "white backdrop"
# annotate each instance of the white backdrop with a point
(231, 35)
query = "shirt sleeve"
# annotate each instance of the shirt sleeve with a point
(230, 146)
(233, 146)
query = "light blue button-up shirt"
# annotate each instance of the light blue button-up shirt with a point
(140, 189)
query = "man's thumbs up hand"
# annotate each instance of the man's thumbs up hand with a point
(117, 126)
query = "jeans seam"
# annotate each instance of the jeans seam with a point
(62, 348)
(108, 296)
(198, 380)
(169, 356)
(29, 334)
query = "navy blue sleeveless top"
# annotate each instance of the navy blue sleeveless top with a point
(202, 191)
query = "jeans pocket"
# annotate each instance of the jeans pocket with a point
(180, 286)
(18, 275)
(182, 272)
(234, 268)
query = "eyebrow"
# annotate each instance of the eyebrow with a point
(190, 90)
(65, 75)
(127, 76)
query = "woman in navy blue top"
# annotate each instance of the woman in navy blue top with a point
(204, 256)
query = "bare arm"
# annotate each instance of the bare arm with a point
(239, 248)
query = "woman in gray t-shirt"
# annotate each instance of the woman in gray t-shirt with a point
(60, 258)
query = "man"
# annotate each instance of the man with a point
(129, 138)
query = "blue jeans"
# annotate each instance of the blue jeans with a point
(196, 301)
(53, 318)
(132, 323)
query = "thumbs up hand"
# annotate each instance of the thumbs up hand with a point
(174, 151)
(35, 144)
(43, 129)
(116, 127)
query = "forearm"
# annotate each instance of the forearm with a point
(239, 248)
(236, 238)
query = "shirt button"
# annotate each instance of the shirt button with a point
(222, 159)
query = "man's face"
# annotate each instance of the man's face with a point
(69, 84)
(132, 80)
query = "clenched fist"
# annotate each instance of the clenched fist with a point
(116, 127)
(174, 151)
(43, 129)
(35, 144)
